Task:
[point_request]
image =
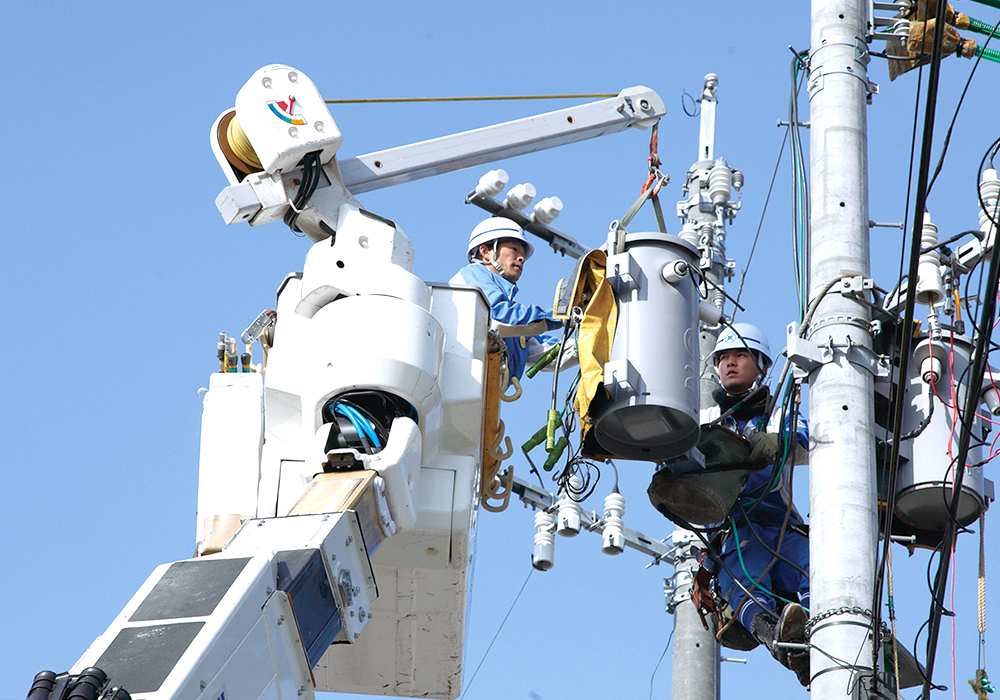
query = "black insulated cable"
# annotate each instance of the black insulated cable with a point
(42, 686)
(311, 174)
(905, 350)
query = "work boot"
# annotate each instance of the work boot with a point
(763, 628)
(791, 627)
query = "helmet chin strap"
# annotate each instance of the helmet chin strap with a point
(493, 261)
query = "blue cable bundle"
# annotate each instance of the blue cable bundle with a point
(360, 422)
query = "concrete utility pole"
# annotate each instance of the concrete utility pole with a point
(842, 485)
(695, 661)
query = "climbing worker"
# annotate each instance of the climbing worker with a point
(768, 549)
(497, 252)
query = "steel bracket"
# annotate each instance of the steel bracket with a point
(861, 56)
(854, 285)
(677, 588)
(807, 356)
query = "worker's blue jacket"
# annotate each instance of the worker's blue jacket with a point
(533, 341)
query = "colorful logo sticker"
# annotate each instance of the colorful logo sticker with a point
(283, 111)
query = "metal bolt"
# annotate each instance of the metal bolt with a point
(362, 615)
(281, 620)
(333, 557)
(352, 613)
(644, 104)
(202, 685)
(349, 541)
(302, 690)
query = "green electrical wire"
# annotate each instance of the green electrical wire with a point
(739, 554)
(990, 3)
(988, 54)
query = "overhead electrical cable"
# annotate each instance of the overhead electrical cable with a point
(947, 136)
(502, 623)
(763, 212)
(907, 335)
(655, 668)
(480, 98)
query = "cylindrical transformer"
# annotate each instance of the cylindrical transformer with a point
(652, 376)
(924, 485)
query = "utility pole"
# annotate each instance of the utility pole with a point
(696, 657)
(842, 484)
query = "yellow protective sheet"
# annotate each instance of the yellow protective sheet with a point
(590, 290)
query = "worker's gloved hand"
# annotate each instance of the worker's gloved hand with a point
(765, 447)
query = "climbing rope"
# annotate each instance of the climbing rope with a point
(981, 585)
(892, 620)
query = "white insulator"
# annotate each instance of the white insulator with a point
(709, 313)
(689, 233)
(720, 183)
(930, 287)
(614, 534)
(718, 297)
(520, 196)
(737, 179)
(543, 556)
(492, 183)
(991, 397)
(989, 190)
(674, 271)
(931, 369)
(569, 510)
(546, 211)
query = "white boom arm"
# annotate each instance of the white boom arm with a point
(265, 190)
(635, 106)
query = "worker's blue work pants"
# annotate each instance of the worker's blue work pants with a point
(755, 560)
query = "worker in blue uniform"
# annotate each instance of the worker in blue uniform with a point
(768, 549)
(497, 253)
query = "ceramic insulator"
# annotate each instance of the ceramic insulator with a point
(614, 535)
(989, 189)
(569, 510)
(543, 556)
(930, 288)
(720, 183)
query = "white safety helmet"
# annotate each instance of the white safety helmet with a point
(743, 336)
(495, 229)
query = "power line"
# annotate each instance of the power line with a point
(480, 98)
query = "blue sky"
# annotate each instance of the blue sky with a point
(118, 274)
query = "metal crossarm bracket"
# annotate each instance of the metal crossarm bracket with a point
(537, 497)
